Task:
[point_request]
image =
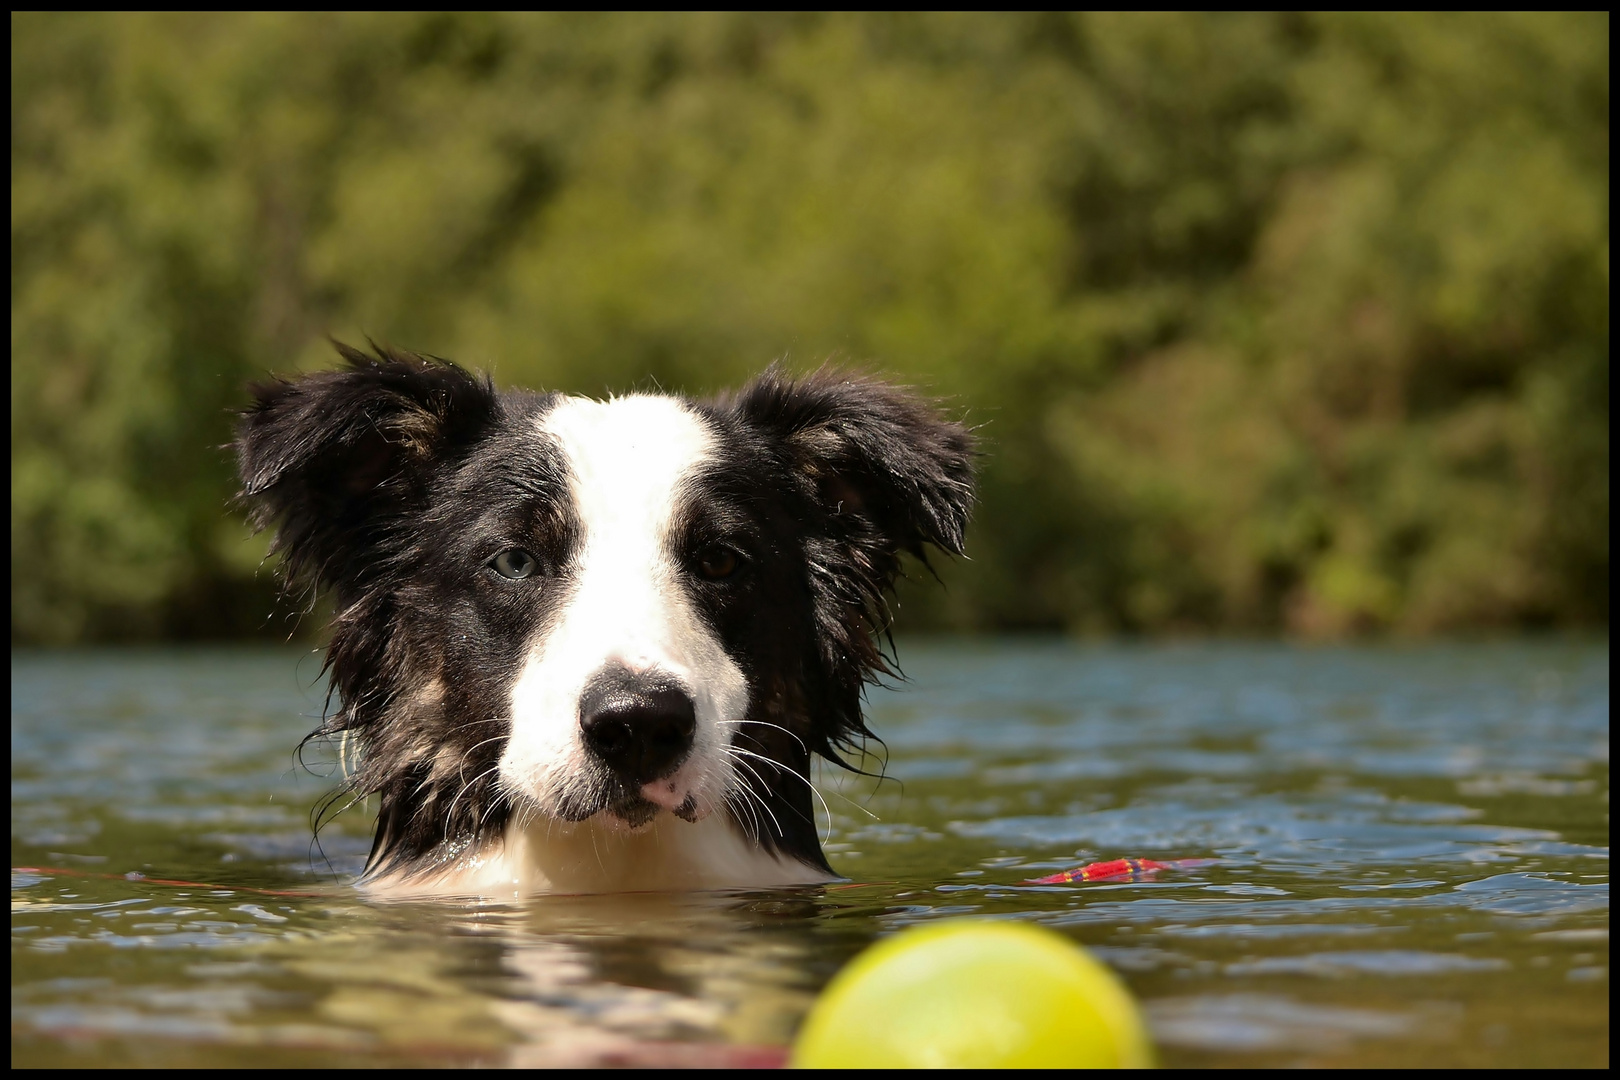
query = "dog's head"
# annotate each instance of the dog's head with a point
(547, 605)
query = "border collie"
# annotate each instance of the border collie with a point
(588, 646)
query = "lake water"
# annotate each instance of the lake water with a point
(1411, 845)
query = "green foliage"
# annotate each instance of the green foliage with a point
(1270, 322)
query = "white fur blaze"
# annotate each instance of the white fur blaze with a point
(629, 461)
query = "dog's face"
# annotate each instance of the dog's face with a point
(556, 607)
(626, 693)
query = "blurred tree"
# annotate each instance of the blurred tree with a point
(1271, 322)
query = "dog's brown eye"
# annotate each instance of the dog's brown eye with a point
(515, 563)
(716, 562)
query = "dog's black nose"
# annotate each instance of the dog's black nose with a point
(639, 725)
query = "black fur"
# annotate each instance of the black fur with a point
(840, 475)
(393, 481)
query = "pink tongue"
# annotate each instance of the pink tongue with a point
(663, 793)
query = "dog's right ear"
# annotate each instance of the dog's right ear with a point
(335, 456)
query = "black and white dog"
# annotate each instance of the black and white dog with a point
(592, 645)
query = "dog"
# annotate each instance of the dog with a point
(590, 646)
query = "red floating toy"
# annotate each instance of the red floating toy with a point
(1117, 870)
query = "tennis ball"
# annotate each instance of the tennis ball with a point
(972, 993)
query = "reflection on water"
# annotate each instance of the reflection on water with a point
(1411, 850)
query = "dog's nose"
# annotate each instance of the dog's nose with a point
(640, 726)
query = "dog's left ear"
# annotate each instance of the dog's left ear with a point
(888, 470)
(339, 458)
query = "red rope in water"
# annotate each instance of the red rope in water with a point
(1117, 870)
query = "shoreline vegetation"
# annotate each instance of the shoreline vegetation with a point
(1270, 324)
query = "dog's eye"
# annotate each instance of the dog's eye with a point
(515, 563)
(717, 562)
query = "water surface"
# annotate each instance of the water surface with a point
(1411, 850)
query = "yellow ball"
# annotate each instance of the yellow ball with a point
(972, 993)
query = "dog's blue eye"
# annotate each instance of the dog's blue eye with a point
(515, 563)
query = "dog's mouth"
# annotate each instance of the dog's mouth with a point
(620, 801)
(634, 811)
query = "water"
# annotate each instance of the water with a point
(1412, 846)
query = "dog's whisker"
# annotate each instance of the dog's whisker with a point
(807, 782)
(741, 760)
(449, 815)
(501, 798)
(756, 795)
(753, 813)
(485, 742)
(856, 805)
(767, 723)
(733, 801)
